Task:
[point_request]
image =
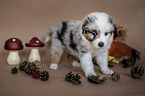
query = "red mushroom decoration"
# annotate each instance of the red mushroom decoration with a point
(34, 54)
(13, 45)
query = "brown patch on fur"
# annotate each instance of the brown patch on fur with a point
(72, 58)
(57, 55)
(89, 36)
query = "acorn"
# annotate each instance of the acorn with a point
(137, 72)
(14, 70)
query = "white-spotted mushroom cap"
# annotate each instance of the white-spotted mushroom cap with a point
(13, 44)
(34, 42)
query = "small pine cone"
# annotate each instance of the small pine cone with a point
(76, 82)
(31, 66)
(115, 76)
(76, 79)
(25, 68)
(96, 79)
(28, 71)
(69, 76)
(77, 76)
(36, 73)
(44, 75)
(137, 72)
(23, 65)
(14, 70)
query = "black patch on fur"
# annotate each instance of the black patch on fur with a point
(85, 23)
(60, 34)
(84, 51)
(73, 45)
(115, 31)
(90, 19)
(60, 37)
(83, 30)
(110, 20)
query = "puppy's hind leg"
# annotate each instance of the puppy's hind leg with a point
(74, 60)
(56, 53)
(76, 64)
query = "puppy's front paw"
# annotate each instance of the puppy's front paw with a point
(107, 71)
(53, 67)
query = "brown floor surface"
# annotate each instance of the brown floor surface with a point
(27, 18)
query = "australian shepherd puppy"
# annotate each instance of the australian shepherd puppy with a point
(85, 39)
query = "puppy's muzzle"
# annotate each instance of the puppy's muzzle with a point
(101, 44)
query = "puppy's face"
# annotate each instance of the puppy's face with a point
(98, 28)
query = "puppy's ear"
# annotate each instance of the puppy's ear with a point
(88, 20)
(85, 22)
(115, 32)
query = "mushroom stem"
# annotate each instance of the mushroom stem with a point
(13, 58)
(34, 55)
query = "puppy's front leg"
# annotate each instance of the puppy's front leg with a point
(102, 61)
(87, 65)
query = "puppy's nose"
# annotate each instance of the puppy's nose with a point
(101, 44)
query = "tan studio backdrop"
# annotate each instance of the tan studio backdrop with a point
(25, 19)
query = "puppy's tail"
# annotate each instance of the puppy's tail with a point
(50, 32)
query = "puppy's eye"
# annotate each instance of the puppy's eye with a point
(85, 30)
(106, 33)
(94, 33)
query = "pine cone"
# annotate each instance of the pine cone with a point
(14, 70)
(23, 65)
(96, 79)
(73, 78)
(28, 71)
(31, 66)
(44, 75)
(36, 73)
(115, 76)
(137, 72)
(69, 76)
(76, 79)
(28, 68)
